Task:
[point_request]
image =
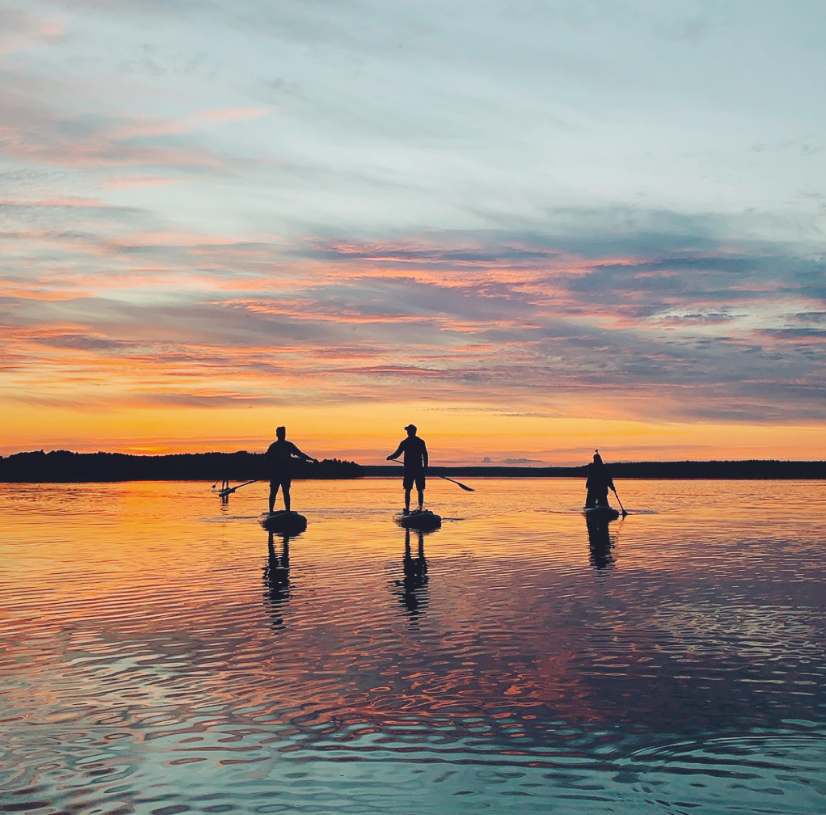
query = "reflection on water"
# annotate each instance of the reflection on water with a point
(521, 660)
(277, 577)
(600, 541)
(413, 587)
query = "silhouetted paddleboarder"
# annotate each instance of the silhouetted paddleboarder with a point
(280, 456)
(598, 482)
(415, 465)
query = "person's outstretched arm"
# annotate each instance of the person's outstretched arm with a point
(302, 455)
(396, 454)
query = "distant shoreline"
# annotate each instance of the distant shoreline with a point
(66, 467)
(664, 470)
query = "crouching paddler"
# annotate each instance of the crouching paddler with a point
(598, 482)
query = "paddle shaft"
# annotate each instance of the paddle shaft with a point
(465, 487)
(237, 487)
(619, 501)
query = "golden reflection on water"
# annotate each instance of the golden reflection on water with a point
(156, 638)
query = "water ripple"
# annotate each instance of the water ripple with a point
(516, 660)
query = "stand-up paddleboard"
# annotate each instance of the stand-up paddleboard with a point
(419, 519)
(601, 513)
(289, 522)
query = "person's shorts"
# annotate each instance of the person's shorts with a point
(414, 478)
(282, 481)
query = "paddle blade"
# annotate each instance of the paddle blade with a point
(459, 484)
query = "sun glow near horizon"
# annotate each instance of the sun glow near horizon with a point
(455, 436)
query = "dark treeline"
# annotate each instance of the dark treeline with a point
(62, 465)
(641, 469)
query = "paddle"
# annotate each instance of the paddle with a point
(459, 484)
(624, 513)
(230, 490)
(465, 487)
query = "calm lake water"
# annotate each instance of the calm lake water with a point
(157, 659)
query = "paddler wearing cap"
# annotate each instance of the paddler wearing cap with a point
(415, 465)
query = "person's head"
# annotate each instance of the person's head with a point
(597, 457)
(281, 432)
(411, 430)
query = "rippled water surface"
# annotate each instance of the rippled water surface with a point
(159, 657)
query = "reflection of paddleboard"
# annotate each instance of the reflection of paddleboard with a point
(419, 519)
(290, 522)
(601, 513)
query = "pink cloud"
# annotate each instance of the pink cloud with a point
(20, 31)
(129, 182)
(56, 202)
(148, 128)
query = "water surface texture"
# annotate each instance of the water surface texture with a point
(161, 655)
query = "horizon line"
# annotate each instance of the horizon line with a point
(486, 465)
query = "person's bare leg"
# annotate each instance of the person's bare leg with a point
(273, 493)
(286, 490)
(421, 499)
(407, 499)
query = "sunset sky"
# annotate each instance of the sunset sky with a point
(532, 228)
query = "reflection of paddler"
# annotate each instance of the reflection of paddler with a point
(277, 577)
(278, 568)
(599, 542)
(414, 595)
(415, 570)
